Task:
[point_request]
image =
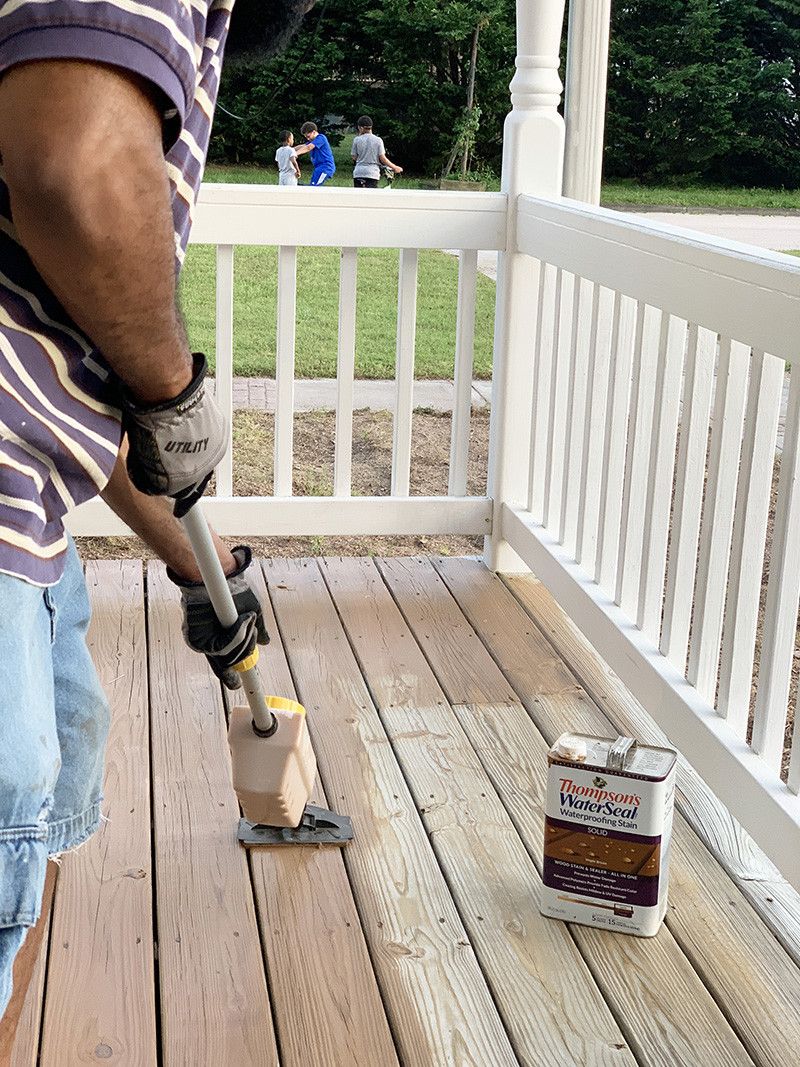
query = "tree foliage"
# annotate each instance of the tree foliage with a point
(404, 62)
(698, 89)
(705, 89)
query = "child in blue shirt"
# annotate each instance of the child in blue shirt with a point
(321, 154)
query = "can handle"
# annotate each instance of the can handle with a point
(619, 753)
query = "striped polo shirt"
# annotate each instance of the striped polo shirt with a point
(59, 426)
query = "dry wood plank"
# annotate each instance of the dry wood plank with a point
(435, 994)
(325, 996)
(775, 901)
(646, 982)
(214, 1004)
(26, 1043)
(532, 965)
(703, 898)
(100, 982)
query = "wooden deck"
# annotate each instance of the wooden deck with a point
(433, 689)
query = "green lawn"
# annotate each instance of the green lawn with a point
(618, 192)
(255, 300)
(700, 196)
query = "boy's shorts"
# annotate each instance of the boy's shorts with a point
(53, 728)
(320, 176)
(287, 179)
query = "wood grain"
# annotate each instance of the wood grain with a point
(327, 1004)
(100, 985)
(531, 964)
(215, 1010)
(435, 994)
(653, 974)
(26, 1042)
(703, 898)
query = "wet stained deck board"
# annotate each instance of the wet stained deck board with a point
(213, 992)
(325, 997)
(408, 673)
(100, 1002)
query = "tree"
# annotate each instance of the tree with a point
(405, 62)
(704, 89)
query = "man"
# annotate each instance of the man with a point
(369, 155)
(99, 392)
(321, 154)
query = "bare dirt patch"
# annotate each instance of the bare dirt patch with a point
(314, 435)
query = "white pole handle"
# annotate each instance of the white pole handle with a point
(194, 522)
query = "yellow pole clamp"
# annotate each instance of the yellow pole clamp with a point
(248, 662)
(284, 704)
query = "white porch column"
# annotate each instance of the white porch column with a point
(533, 155)
(585, 98)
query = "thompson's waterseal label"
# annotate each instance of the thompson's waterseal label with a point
(608, 824)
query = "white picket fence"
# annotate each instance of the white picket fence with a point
(651, 404)
(658, 372)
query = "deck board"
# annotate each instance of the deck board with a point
(439, 1006)
(751, 978)
(325, 996)
(653, 975)
(214, 1004)
(430, 685)
(26, 1046)
(534, 968)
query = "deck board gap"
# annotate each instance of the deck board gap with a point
(153, 852)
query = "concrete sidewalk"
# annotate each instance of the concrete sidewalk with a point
(319, 394)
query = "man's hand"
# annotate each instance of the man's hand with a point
(223, 647)
(175, 446)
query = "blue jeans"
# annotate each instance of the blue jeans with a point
(53, 728)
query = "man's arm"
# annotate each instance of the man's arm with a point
(91, 202)
(152, 519)
(303, 148)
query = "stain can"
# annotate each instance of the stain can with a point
(608, 827)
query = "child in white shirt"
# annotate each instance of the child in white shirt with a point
(286, 158)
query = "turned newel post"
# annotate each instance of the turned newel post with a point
(533, 158)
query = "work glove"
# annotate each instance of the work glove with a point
(203, 632)
(175, 445)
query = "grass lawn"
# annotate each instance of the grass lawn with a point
(255, 302)
(699, 196)
(616, 192)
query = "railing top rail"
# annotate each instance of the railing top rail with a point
(734, 289)
(758, 265)
(353, 218)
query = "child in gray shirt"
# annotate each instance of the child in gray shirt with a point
(369, 156)
(286, 158)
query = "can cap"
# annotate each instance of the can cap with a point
(570, 747)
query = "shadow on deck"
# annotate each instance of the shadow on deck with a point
(433, 689)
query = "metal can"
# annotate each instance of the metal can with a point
(608, 827)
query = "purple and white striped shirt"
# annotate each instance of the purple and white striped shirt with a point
(59, 429)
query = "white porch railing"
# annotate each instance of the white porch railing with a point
(658, 373)
(638, 375)
(229, 215)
